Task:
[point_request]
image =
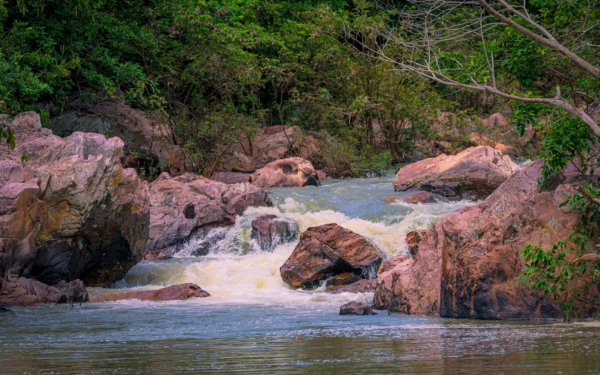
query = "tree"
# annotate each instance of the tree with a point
(456, 43)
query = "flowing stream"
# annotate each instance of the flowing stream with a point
(254, 323)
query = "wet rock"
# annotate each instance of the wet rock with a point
(342, 279)
(356, 308)
(231, 177)
(270, 231)
(472, 174)
(329, 250)
(71, 211)
(189, 206)
(467, 264)
(290, 172)
(423, 197)
(28, 292)
(360, 286)
(170, 293)
(4, 309)
(74, 291)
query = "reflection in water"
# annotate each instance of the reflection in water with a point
(254, 323)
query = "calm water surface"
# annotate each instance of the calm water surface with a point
(254, 323)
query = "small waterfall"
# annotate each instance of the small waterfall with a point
(231, 265)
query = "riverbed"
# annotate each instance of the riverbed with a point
(254, 323)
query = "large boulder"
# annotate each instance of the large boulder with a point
(69, 210)
(467, 264)
(472, 174)
(171, 293)
(189, 206)
(290, 172)
(329, 250)
(147, 143)
(269, 231)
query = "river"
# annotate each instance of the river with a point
(254, 323)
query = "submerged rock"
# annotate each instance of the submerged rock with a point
(467, 264)
(70, 211)
(170, 293)
(472, 174)
(189, 205)
(290, 172)
(270, 231)
(329, 250)
(356, 308)
(423, 197)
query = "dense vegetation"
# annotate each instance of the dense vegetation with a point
(361, 72)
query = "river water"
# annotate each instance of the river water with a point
(254, 323)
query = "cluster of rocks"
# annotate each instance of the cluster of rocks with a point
(70, 212)
(466, 265)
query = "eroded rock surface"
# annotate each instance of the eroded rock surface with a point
(290, 172)
(472, 174)
(70, 210)
(190, 205)
(329, 250)
(467, 264)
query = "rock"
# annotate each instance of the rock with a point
(423, 197)
(146, 145)
(70, 211)
(356, 308)
(467, 264)
(390, 263)
(322, 175)
(270, 231)
(274, 143)
(482, 140)
(73, 291)
(27, 292)
(495, 120)
(342, 279)
(472, 174)
(360, 286)
(231, 177)
(4, 309)
(170, 293)
(189, 206)
(290, 172)
(328, 250)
